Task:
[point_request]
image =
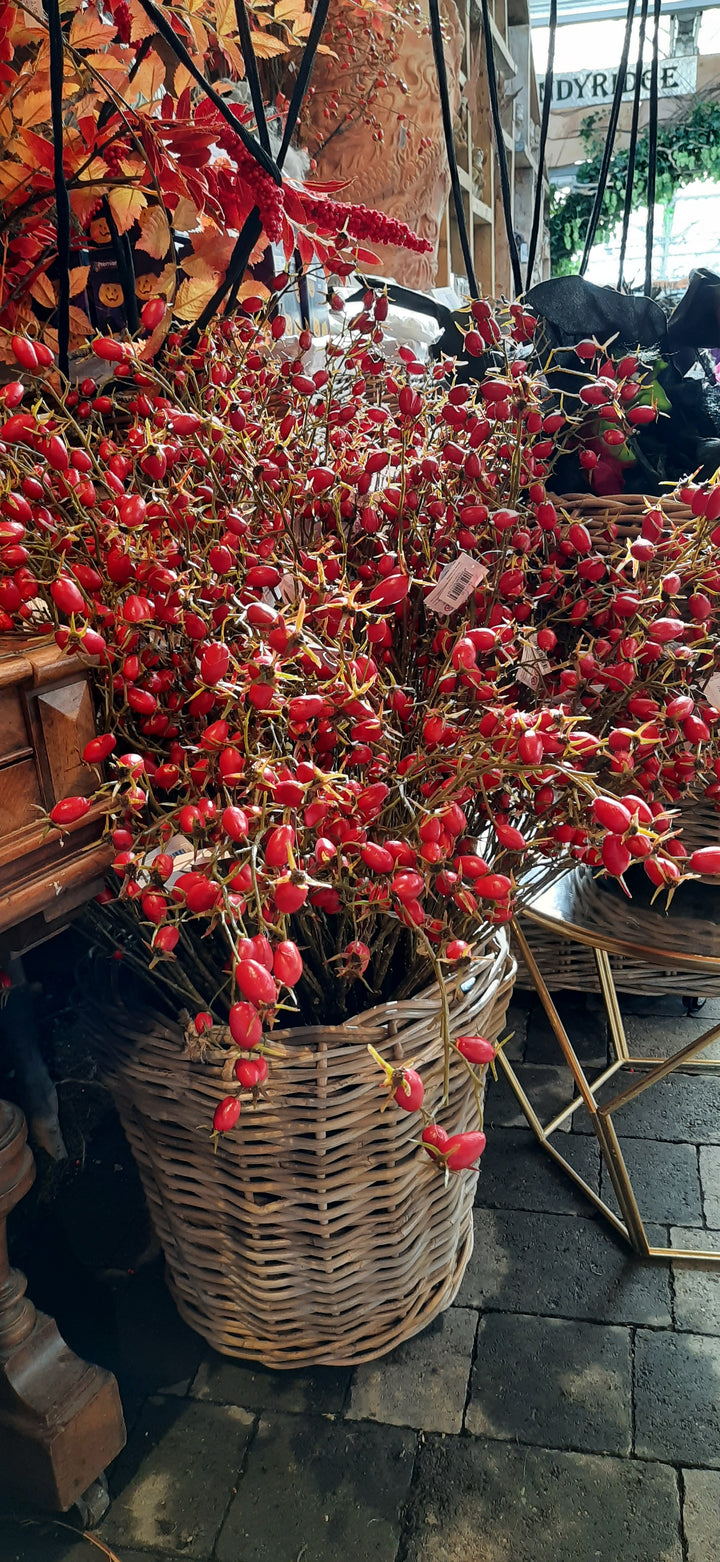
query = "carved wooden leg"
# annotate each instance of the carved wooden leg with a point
(61, 1420)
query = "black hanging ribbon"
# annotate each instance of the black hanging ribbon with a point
(62, 200)
(178, 47)
(632, 149)
(652, 148)
(455, 186)
(544, 126)
(252, 227)
(500, 147)
(303, 77)
(609, 140)
(253, 76)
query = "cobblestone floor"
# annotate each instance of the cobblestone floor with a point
(566, 1409)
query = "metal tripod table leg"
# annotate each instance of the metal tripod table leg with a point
(631, 1225)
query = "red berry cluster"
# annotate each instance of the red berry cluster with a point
(361, 223)
(122, 18)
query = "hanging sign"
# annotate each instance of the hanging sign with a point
(593, 88)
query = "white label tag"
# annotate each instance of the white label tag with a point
(288, 587)
(183, 854)
(457, 580)
(712, 691)
(533, 664)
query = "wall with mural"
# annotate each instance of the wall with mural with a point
(387, 140)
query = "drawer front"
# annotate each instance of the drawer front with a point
(13, 727)
(19, 792)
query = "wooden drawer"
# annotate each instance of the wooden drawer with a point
(21, 800)
(46, 719)
(14, 738)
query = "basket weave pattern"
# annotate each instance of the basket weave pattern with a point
(319, 1232)
(565, 964)
(625, 511)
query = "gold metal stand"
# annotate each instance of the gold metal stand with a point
(631, 1225)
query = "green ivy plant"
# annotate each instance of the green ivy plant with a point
(688, 149)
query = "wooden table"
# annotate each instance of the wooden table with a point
(61, 1421)
(584, 910)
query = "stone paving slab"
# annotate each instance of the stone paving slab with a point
(665, 1180)
(701, 1514)
(684, 1108)
(659, 1036)
(321, 1390)
(517, 1173)
(424, 1382)
(677, 1398)
(319, 1491)
(548, 1089)
(588, 1032)
(710, 1182)
(480, 1501)
(551, 1382)
(648, 1007)
(697, 1291)
(563, 1266)
(172, 1484)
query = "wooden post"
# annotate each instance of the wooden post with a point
(61, 1420)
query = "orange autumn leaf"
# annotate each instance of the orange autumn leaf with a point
(141, 26)
(80, 331)
(285, 10)
(181, 80)
(154, 232)
(35, 149)
(216, 248)
(34, 109)
(192, 296)
(233, 55)
(266, 45)
(148, 79)
(199, 32)
(111, 64)
(89, 32)
(186, 216)
(78, 280)
(84, 203)
(12, 178)
(225, 18)
(126, 205)
(201, 269)
(43, 291)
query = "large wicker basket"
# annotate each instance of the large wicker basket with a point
(319, 1232)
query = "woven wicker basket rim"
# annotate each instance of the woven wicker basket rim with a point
(371, 1025)
(635, 503)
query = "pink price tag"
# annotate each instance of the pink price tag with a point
(456, 582)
